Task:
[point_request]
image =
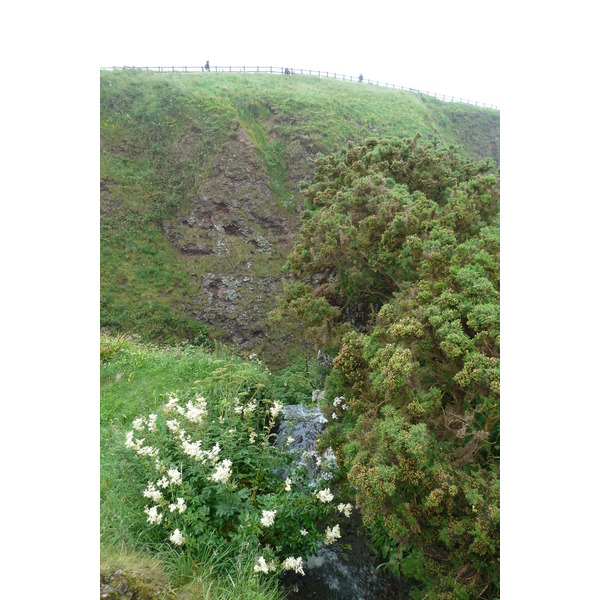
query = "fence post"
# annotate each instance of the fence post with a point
(271, 70)
(319, 73)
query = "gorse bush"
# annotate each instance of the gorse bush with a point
(212, 473)
(401, 246)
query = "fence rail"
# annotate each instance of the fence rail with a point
(313, 72)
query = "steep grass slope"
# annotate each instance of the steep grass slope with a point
(200, 188)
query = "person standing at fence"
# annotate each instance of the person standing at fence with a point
(360, 78)
(207, 66)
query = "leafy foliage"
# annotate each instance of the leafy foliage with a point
(401, 242)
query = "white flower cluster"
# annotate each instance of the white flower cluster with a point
(148, 451)
(174, 476)
(268, 517)
(152, 492)
(174, 426)
(276, 409)
(288, 485)
(345, 509)
(173, 404)
(180, 506)
(290, 440)
(222, 472)
(336, 402)
(193, 449)
(264, 567)
(196, 411)
(252, 437)
(318, 395)
(332, 534)
(245, 410)
(138, 446)
(325, 495)
(294, 564)
(141, 423)
(153, 515)
(133, 444)
(213, 454)
(177, 538)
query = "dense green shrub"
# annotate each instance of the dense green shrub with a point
(401, 241)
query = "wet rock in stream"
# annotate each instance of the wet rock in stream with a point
(345, 570)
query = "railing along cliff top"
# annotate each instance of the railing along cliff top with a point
(313, 72)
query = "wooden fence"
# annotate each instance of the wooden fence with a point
(313, 72)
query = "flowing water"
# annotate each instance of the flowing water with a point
(345, 570)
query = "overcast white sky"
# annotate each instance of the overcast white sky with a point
(448, 47)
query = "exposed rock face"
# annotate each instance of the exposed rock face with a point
(233, 222)
(127, 586)
(234, 201)
(236, 304)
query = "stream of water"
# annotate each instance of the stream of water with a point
(345, 570)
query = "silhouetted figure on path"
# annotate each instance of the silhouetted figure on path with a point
(207, 66)
(287, 71)
(360, 78)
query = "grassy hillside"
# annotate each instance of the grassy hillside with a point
(200, 188)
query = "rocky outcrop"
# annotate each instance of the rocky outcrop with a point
(121, 585)
(236, 236)
(238, 305)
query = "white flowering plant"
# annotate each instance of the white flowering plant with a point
(211, 471)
